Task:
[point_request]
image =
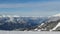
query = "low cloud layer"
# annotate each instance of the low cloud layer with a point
(33, 8)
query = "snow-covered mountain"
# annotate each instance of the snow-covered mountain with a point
(52, 24)
(8, 22)
(57, 15)
(14, 22)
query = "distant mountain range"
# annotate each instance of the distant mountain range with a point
(21, 23)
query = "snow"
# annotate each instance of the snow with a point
(56, 27)
(3, 16)
(16, 16)
(57, 14)
(36, 29)
(28, 32)
(42, 24)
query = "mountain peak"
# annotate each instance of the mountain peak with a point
(10, 16)
(57, 14)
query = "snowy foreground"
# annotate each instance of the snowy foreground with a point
(17, 23)
(28, 32)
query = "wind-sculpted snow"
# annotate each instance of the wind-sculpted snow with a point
(20, 23)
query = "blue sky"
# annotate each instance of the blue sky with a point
(30, 7)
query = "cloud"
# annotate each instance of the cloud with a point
(38, 8)
(32, 13)
(44, 6)
(31, 5)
